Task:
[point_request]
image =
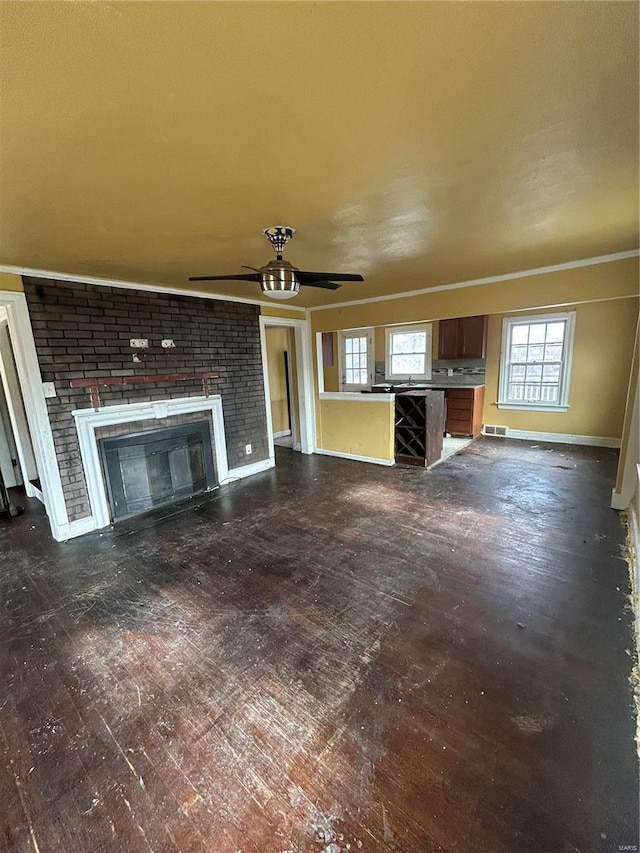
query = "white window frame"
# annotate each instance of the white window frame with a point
(565, 369)
(416, 327)
(355, 333)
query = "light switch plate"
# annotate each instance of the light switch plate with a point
(139, 343)
(49, 389)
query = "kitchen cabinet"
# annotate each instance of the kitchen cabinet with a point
(464, 411)
(463, 337)
(419, 420)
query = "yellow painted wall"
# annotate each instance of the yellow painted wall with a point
(362, 429)
(602, 352)
(564, 287)
(10, 281)
(277, 345)
(277, 311)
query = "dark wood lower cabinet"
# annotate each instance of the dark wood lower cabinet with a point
(464, 411)
(419, 427)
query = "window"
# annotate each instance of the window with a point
(536, 362)
(408, 352)
(356, 359)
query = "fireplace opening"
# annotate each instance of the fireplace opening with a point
(148, 469)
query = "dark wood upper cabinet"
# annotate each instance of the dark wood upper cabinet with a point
(463, 337)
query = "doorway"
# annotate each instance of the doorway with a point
(17, 459)
(286, 358)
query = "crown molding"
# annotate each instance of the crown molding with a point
(134, 285)
(491, 279)
(174, 291)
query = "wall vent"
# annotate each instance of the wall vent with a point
(492, 429)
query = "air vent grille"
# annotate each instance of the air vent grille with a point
(493, 429)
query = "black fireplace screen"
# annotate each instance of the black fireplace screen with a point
(148, 469)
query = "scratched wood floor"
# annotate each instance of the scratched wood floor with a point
(329, 657)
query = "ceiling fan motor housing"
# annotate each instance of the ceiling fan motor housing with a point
(279, 280)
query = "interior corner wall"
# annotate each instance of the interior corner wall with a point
(84, 331)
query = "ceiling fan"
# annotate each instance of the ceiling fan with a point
(280, 279)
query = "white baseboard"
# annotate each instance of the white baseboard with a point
(354, 457)
(282, 433)
(248, 470)
(563, 438)
(74, 529)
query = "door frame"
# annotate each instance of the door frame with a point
(304, 380)
(14, 304)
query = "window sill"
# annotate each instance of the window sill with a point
(532, 407)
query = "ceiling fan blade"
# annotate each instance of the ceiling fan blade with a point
(304, 276)
(328, 285)
(245, 277)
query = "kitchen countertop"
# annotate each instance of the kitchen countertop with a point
(448, 384)
(436, 385)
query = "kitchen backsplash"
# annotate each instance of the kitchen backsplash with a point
(440, 367)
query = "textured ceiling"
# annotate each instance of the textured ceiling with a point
(417, 143)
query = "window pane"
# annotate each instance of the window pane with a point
(536, 353)
(408, 342)
(553, 352)
(555, 332)
(550, 393)
(408, 364)
(519, 334)
(517, 371)
(537, 333)
(534, 373)
(519, 353)
(348, 345)
(551, 373)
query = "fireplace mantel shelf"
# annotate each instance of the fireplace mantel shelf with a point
(95, 383)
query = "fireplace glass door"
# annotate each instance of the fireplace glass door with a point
(149, 469)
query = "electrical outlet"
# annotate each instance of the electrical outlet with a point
(139, 343)
(248, 450)
(449, 371)
(168, 343)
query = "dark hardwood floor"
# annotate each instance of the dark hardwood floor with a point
(329, 657)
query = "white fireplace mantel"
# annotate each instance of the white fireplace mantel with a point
(89, 420)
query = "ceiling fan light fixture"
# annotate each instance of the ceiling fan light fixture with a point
(279, 280)
(280, 294)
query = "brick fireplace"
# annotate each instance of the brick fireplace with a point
(85, 332)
